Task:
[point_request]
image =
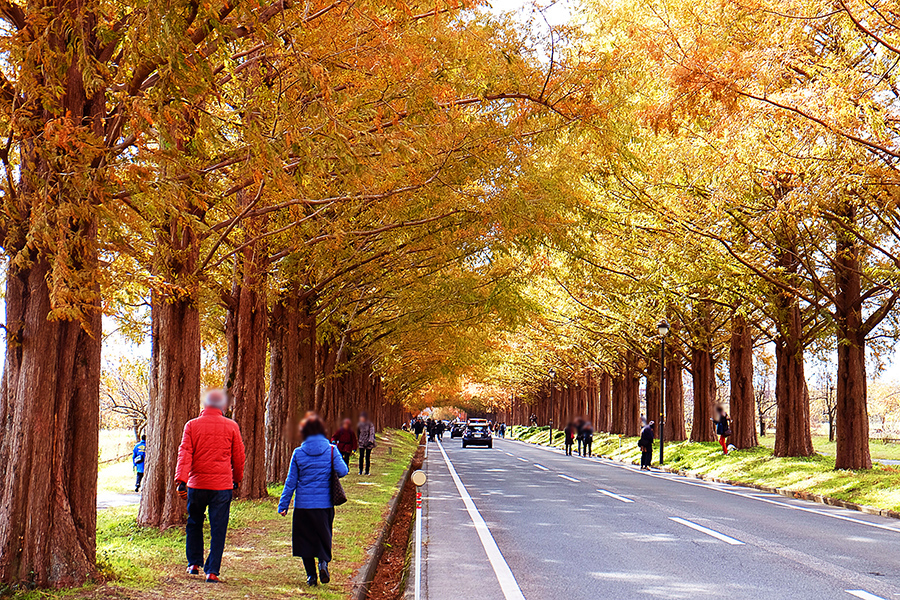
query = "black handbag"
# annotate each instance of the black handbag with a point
(338, 496)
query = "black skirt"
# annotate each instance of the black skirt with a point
(312, 529)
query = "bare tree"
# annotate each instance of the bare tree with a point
(124, 395)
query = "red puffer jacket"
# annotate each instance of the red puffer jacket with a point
(345, 440)
(211, 455)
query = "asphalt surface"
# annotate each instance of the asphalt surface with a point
(570, 528)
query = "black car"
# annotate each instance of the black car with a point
(457, 429)
(477, 435)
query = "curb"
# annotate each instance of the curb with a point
(366, 574)
(799, 495)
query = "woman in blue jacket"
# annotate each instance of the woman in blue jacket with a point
(310, 477)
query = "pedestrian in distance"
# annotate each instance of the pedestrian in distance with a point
(138, 459)
(440, 430)
(365, 435)
(418, 427)
(210, 467)
(502, 431)
(579, 435)
(430, 428)
(345, 440)
(309, 483)
(723, 428)
(587, 439)
(646, 445)
(569, 436)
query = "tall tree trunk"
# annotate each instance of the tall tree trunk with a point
(851, 412)
(618, 404)
(50, 412)
(245, 329)
(742, 400)
(704, 395)
(792, 432)
(174, 400)
(604, 409)
(654, 394)
(675, 427)
(632, 397)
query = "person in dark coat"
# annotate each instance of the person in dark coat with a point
(723, 429)
(570, 433)
(365, 435)
(646, 445)
(587, 439)
(310, 477)
(345, 440)
(138, 458)
(440, 428)
(418, 427)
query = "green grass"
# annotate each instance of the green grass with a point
(145, 563)
(878, 487)
(878, 450)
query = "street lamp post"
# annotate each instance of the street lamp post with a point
(663, 329)
(550, 391)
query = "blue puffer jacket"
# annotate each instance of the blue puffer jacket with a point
(310, 474)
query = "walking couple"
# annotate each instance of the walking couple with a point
(211, 466)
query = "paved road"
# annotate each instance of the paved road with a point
(543, 526)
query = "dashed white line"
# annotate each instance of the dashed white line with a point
(707, 531)
(569, 478)
(615, 496)
(863, 594)
(756, 496)
(522, 459)
(541, 467)
(505, 577)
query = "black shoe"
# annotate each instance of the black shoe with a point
(324, 577)
(311, 581)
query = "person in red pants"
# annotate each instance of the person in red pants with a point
(723, 429)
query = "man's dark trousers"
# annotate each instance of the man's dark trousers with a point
(219, 504)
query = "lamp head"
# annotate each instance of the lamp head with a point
(663, 327)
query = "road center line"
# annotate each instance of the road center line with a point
(505, 577)
(863, 594)
(541, 467)
(615, 496)
(569, 478)
(522, 459)
(707, 531)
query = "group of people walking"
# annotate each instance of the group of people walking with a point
(210, 468)
(363, 439)
(581, 432)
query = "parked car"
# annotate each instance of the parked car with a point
(457, 430)
(477, 435)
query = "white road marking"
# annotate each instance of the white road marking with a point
(569, 478)
(522, 459)
(508, 453)
(707, 531)
(615, 496)
(541, 467)
(751, 495)
(505, 577)
(863, 594)
(755, 496)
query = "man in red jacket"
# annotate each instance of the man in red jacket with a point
(210, 467)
